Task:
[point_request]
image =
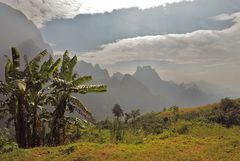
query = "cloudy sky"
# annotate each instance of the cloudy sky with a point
(41, 11)
(184, 40)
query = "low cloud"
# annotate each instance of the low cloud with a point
(204, 47)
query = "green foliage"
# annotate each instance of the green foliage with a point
(167, 134)
(6, 142)
(132, 136)
(175, 113)
(227, 113)
(30, 90)
(188, 138)
(132, 116)
(88, 133)
(93, 134)
(181, 127)
(117, 131)
(203, 142)
(67, 67)
(151, 123)
(16, 59)
(65, 83)
(105, 124)
(117, 111)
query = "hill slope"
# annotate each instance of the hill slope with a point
(200, 141)
(209, 143)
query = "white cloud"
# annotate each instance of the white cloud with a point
(205, 47)
(94, 6)
(41, 11)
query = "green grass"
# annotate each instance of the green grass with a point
(187, 110)
(209, 142)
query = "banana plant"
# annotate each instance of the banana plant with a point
(14, 89)
(64, 85)
(26, 93)
(37, 76)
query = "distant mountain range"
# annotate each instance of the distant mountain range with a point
(143, 90)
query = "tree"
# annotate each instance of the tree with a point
(227, 113)
(135, 114)
(24, 90)
(14, 88)
(132, 116)
(151, 123)
(65, 83)
(127, 117)
(37, 76)
(28, 91)
(117, 111)
(117, 128)
(175, 112)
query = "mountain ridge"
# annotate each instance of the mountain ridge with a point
(144, 89)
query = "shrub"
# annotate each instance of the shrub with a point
(117, 131)
(227, 113)
(132, 136)
(6, 143)
(94, 134)
(182, 127)
(151, 123)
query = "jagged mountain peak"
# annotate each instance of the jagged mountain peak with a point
(98, 73)
(146, 73)
(118, 76)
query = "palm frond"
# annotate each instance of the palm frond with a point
(21, 85)
(45, 67)
(15, 59)
(71, 66)
(8, 70)
(35, 62)
(54, 67)
(81, 80)
(68, 66)
(65, 62)
(80, 108)
(83, 89)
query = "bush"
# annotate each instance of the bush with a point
(227, 113)
(94, 134)
(181, 127)
(6, 143)
(152, 123)
(132, 136)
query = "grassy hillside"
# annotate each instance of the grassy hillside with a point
(202, 142)
(187, 110)
(190, 137)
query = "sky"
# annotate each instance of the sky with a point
(41, 11)
(184, 41)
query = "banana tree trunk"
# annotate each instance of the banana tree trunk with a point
(58, 125)
(36, 129)
(21, 125)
